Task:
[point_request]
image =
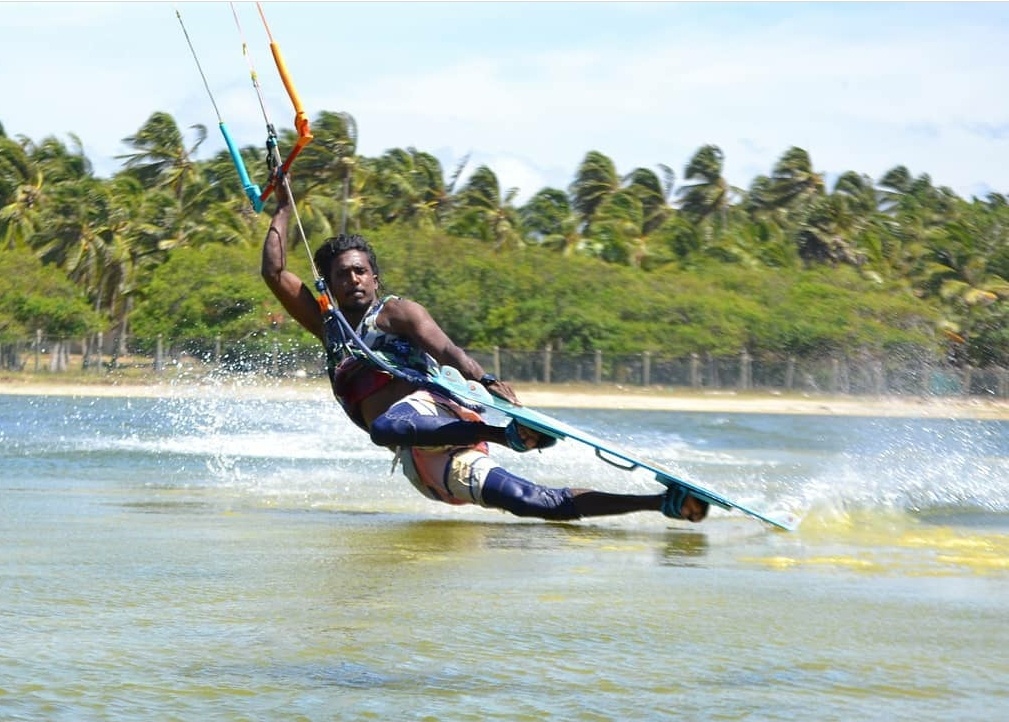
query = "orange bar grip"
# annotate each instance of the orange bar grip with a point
(298, 147)
(300, 120)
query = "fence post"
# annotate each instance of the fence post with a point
(497, 361)
(599, 367)
(548, 353)
(159, 359)
(646, 371)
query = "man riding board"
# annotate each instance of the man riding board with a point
(442, 445)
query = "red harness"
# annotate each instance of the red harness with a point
(353, 381)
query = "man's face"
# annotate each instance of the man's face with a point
(352, 282)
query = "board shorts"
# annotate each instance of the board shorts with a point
(451, 474)
(467, 474)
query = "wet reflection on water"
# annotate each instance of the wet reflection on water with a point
(206, 559)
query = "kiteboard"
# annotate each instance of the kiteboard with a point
(472, 391)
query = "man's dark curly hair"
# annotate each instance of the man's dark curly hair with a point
(333, 247)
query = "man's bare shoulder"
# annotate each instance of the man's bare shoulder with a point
(402, 314)
(397, 305)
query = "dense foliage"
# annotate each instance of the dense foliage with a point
(168, 248)
(34, 296)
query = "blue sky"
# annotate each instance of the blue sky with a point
(528, 88)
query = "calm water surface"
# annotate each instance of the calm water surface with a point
(215, 559)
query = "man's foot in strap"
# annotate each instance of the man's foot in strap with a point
(679, 503)
(522, 438)
(672, 502)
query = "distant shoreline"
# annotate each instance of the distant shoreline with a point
(584, 396)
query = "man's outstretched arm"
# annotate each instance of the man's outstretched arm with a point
(293, 294)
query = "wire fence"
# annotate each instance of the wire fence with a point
(856, 374)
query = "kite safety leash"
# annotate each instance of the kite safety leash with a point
(301, 123)
(278, 168)
(252, 190)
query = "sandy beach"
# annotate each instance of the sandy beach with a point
(582, 396)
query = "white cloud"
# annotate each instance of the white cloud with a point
(531, 88)
(853, 103)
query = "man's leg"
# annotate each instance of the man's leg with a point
(503, 490)
(421, 422)
(601, 503)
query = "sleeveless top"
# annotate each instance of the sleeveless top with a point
(353, 376)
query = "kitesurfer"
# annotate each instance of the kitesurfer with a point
(442, 445)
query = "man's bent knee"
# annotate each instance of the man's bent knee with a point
(392, 430)
(403, 425)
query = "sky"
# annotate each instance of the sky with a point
(529, 88)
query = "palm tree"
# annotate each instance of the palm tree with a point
(823, 230)
(707, 194)
(794, 184)
(868, 231)
(858, 193)
(325, 163)
(133, 246)
(21, 193)
(481, 211)
(956, 268)
(15, 168)
(60, 163)
(595, 179)
(617, 233)
(893, 187)
(161, 158)
(551, 222)
(918, 213)
(409, 187)
(654, 194)
(759, 199)
(70, 237)
(19, 216)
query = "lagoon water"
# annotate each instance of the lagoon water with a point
(215, 558)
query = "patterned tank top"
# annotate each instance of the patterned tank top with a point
(353, 376)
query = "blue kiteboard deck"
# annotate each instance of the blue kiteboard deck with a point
(454, 382)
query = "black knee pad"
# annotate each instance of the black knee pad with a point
(504, 490)
(392, 430)
(403, 425)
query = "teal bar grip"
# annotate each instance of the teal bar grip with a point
(252, 191)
